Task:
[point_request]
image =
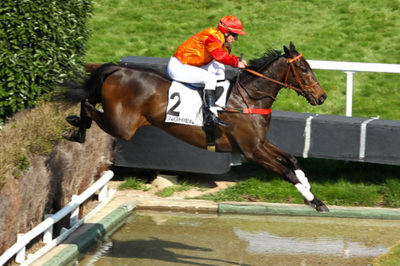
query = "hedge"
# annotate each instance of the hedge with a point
(41, 42)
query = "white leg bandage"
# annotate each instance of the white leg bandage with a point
(302, 178)
(305, 192)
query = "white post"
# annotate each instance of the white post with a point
(75, 213)
(349, 93)
(103, 193)
(48, 233)
(20, 257)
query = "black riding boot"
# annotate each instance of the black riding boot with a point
(209, 99)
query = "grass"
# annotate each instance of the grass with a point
(391, 258)
(360, 31)
(353, 184)
(133, 183)
(179, 187)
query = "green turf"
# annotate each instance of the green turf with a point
(356, 31)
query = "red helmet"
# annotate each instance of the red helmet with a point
(231, 24)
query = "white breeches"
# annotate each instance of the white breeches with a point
(207, 75)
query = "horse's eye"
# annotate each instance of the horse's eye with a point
(303, 69)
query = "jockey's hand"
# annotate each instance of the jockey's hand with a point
(242, 64)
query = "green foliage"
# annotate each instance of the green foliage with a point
(41, 43)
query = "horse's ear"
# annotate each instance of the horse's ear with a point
(287, 52)
(292, 47)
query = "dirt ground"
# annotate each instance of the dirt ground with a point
(197, 191)
(202, 183)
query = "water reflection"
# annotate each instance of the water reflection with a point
(173, 239)
(264, 242)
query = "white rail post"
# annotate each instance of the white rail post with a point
(20, 257)
(103, 193)
(75, 213)
(48, 233)
(349, 93)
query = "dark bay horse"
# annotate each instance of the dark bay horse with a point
(132, 98)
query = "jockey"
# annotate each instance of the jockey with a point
(202, 59)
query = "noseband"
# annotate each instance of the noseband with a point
(303, 90)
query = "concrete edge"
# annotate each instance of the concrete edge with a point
(299, 210)
(92, 236)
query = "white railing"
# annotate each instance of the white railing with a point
(46, 227)
(350, 68)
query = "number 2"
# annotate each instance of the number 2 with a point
(172, 110)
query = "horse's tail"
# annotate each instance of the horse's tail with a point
(72, 92)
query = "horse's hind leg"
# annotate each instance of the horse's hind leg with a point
(272, 157)
(109, 123)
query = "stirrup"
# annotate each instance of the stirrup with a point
(212, 119)
(219, 122)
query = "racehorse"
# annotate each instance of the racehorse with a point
(134, 97)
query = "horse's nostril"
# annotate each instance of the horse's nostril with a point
(322, 98)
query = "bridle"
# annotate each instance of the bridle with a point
(303, 90)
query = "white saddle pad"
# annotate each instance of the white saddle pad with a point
(184, 105)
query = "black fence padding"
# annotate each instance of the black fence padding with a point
(337, 137)
(152, 148)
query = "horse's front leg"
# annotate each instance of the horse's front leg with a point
(272, 157)
(290, 160)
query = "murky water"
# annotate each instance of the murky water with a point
(181, 239)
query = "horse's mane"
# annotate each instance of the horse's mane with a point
(258, 63)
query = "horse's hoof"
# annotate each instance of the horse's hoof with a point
(322, 208)
(69, 135)
(73, 120)
(316, 204)
(72, 136)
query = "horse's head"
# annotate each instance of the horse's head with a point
(302, 77)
